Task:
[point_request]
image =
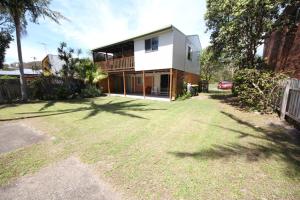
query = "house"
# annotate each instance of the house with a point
(52, 64)
(29, 74)
(154, 64)
(282, 48)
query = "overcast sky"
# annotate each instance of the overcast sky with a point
(98, 22)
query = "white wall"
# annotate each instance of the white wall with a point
(179, 50)
(56, 63)
(161, 59)
(181, 43)
(193, 66)
(172, 52)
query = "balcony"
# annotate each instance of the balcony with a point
(117, 64)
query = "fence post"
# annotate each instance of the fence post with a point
(1, 97)
(285, 100)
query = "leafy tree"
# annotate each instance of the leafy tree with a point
(5, 37)
(89, 72)
(209, 64)
(18, 12)
(70, 61)
(239, 27)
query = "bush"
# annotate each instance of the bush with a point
(90, 91)
(257, 89)
(52, 88)
(6, 77)
(187, 92)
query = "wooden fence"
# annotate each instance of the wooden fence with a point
(9, 90)
(290, 100)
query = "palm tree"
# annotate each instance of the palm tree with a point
(17, 11)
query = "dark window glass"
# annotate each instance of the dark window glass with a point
(189, 55)
(148, 45)
(154, 44)
(151, 44)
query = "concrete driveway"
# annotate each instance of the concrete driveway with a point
(17, 135)
(69, 179)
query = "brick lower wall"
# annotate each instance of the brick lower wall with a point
(282, 51)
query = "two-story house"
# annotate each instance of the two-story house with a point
(155, 64)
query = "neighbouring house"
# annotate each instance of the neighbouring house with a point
(154, 64)
(29, 74)
(52, 64)
(282, 48)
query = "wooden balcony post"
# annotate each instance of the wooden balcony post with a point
(124, 83)
(108, 85)
(144, 89)
(133, 83)
(171, 83)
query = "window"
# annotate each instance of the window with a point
(151, 44)
(189, 53)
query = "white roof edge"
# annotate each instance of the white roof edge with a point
(170, 26)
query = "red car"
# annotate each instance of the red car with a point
(225, 85)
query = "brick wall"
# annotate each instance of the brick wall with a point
(282, 51)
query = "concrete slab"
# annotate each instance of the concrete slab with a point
(17, 135)
(155, 98)
(68, 179)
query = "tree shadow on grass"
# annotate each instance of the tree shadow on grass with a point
(8, 106)
(227, 98)
(276, 140)
(122, 108)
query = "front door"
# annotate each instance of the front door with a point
(164, 84)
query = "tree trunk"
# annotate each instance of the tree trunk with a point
(21, 67)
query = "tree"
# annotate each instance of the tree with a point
(70, 61)
(209, 64)
(17, 12)
(239, 27)
(89, 72)
(5, 37)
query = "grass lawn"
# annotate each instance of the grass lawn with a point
(199, 148)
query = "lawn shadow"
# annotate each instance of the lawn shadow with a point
(276, 140)
(120, 108)
(226, 97)
(9, 105)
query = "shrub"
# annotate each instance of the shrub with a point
(90, 91)
(257, 89)
(6, 77)
(52, 87)
(187, 92)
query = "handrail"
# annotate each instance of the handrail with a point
(118, 64)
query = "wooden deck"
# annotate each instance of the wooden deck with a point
(118, 64)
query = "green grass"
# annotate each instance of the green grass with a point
(199, 148)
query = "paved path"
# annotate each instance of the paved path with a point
(17, 135)
(68, 179)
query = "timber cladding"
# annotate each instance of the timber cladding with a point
(179, 77)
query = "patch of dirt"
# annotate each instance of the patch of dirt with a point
(68, 179)
(18, 135)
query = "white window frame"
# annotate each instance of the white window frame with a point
(151, 45)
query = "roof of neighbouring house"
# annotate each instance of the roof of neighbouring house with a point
(168, 27)
(17, 72)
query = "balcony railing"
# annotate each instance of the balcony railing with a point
(118, 64)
